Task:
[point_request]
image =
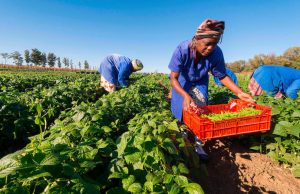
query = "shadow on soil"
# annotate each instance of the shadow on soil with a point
(221, 174)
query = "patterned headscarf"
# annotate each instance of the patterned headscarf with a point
(209, 29)
(137, 64)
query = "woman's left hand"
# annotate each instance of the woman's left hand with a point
(246, 97)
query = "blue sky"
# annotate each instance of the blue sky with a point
(148, 30)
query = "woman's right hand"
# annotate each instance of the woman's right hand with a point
(187, 101)
(246, 97)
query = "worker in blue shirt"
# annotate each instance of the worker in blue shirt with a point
(115, 70)
(230, 74)
(190, 64)
(276, 81)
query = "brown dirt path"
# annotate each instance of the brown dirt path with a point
(232, 169)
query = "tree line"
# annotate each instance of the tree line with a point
(290, 58)
(38, 58)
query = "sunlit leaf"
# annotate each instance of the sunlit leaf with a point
(279, 130)
(296, 113)
(296, 171)
(173, 126)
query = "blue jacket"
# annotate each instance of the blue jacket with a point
(116, 69)
(230, 74)
(192, 74)
(273, 79)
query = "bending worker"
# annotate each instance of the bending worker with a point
(190, 64)
(275, 81)
(230, 74)
(115, 71)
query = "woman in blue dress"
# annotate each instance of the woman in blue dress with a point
(190, 64)
(276, 81)
(115, 70)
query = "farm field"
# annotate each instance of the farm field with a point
(61, 133)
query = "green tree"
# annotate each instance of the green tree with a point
(71, 64)
(5, 56)
(17, 58)
(260, 59)
(44, 59)
(58, 62)
(66, 62)
(86, 65)
(36, 57)
(291, 57)
(51, 59)
(27, 56)
(237, 66)
(79, 65)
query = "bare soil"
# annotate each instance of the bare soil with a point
(232, 168)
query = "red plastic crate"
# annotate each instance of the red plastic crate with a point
(205, 129)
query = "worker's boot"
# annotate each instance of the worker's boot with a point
(199, 149)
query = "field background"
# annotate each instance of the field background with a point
(61, 132)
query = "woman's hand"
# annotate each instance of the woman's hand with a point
(237, 90)
(187, 101)
(246, 97)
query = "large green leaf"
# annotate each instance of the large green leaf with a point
(168, 178)
(173, 126)
(194, 188)
(155, 179)
(9, 164)
(285, 124)
(296, 113)
(273, 155)
(294, 130)
(181, 180)
(128, 181)
(174, 189)
(36, 176)
(102, 144)
(275, 111)
(132, 155)
(183, 169)
(135, 188)
(123, 143)
(280, 130)
(169, 146)
(296, 171)
(152, 123)
(149, 186)
(271, 146)
(115, 175)
(78, 116)
(83, 131)
(106, 129)
(50, 160)
(88, 164)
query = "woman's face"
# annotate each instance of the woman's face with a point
(206, 45)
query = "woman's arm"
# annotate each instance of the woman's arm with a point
(187, 100)
(124, 73)
(237, 90)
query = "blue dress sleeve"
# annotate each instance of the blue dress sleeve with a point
(217, 81)
(218, 69)
(293, 89)
(232, 76)
(176, 62)
(124, 73)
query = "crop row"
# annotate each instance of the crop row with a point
(114, 145)
(24, 114)
(26, 81)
